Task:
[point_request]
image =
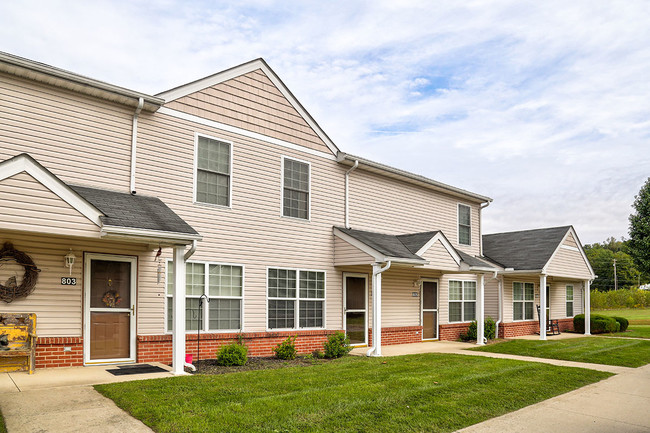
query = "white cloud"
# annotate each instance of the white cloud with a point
(541, 105)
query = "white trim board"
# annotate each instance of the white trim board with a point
(242, 69)
(25, 163)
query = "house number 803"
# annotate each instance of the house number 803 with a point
(67, 281)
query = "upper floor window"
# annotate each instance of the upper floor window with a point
(295, 189)
(464, 225)
(213, 170)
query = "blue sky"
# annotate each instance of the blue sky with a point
(543, 106)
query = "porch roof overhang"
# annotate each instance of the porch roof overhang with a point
(116, 215)
(407, 249)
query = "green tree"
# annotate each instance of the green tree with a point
(601, 257)
(639, 243)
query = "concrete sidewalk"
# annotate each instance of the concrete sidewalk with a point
(63, 400)
(618, 404)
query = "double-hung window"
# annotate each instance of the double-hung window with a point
(296, 298)
(523, 301)
(569, 301)
(462, 301)
(220, 283)
(295, 189)
(213, 171)
(464, 225)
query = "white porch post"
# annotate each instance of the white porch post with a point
(480, 310)
(587, 297)
(542, 307)
(178, 327)
(375, 350)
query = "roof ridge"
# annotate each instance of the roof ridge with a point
(529, 230)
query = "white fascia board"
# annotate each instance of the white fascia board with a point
(244, 132)
(376, 255)
(245, 68)
(406, 261)
(522, 271)
(439, 237)
(23, 162)
(131, 232)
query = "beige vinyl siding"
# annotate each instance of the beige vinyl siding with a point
(570, 241)
(80, 139)
(28, 205)
(252, 102)
(346, 254)
(252, 232)
(558, 298)
(59, 308)
(507, 294)
(491, 297)
(386, 205)
(569, 264)
(439, 257)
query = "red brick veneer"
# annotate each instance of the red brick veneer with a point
(451, 332)
(398, 335)
(49, 352)
(516, 329)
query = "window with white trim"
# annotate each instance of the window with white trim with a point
(222, 284)
(213, 171)
(295, 193)
(523, 301)
(569, 301)
(462, 301)
(464, 225)
(296, 298)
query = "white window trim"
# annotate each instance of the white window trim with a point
(462, 301)
(458, 224)
(566, 299)
(296, 300)
(523, 301)
(206, 319)
(308, 219)
(196, 167)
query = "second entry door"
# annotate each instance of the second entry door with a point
(429, 310)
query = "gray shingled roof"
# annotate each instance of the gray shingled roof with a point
(523, 250)
(134, 211)
(405, 246)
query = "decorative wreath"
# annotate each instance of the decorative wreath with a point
(11, 291)
(111, 298)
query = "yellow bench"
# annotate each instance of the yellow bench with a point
(17, 342)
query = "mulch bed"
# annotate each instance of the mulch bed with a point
(209, 366)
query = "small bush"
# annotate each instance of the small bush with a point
(489, 330)
(623, 322)
(287, 349)
(337, 345)
(232, 354)
(317, 354)
(599, 324)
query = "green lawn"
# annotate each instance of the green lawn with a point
(430, 392)
(597, 350)
(636, 331)
(3, 428)
(636, 316)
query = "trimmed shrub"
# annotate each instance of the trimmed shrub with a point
(232, 354)
(287, 349)
(317, 354)
(472, 331)
(337, 345)
(623, 322)
(599, 324)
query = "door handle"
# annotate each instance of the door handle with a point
(132, 312)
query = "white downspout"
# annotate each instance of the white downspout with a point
(178, 311)
(347, 193)
(480, 227)
(375, 350)
(499, 304)
(134, 142)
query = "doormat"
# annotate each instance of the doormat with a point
(124, 370)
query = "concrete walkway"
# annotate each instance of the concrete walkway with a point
(618, 404)
(63, 400)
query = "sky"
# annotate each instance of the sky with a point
(543, 106)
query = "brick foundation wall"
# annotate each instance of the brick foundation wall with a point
(517, 329)
(158, 348)
(451, 332)
(49, 352)
(398, 335)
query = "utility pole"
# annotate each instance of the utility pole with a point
(615, 279)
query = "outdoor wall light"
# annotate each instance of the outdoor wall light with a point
(69, 260)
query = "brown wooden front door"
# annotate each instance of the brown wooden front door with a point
(110, 308)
